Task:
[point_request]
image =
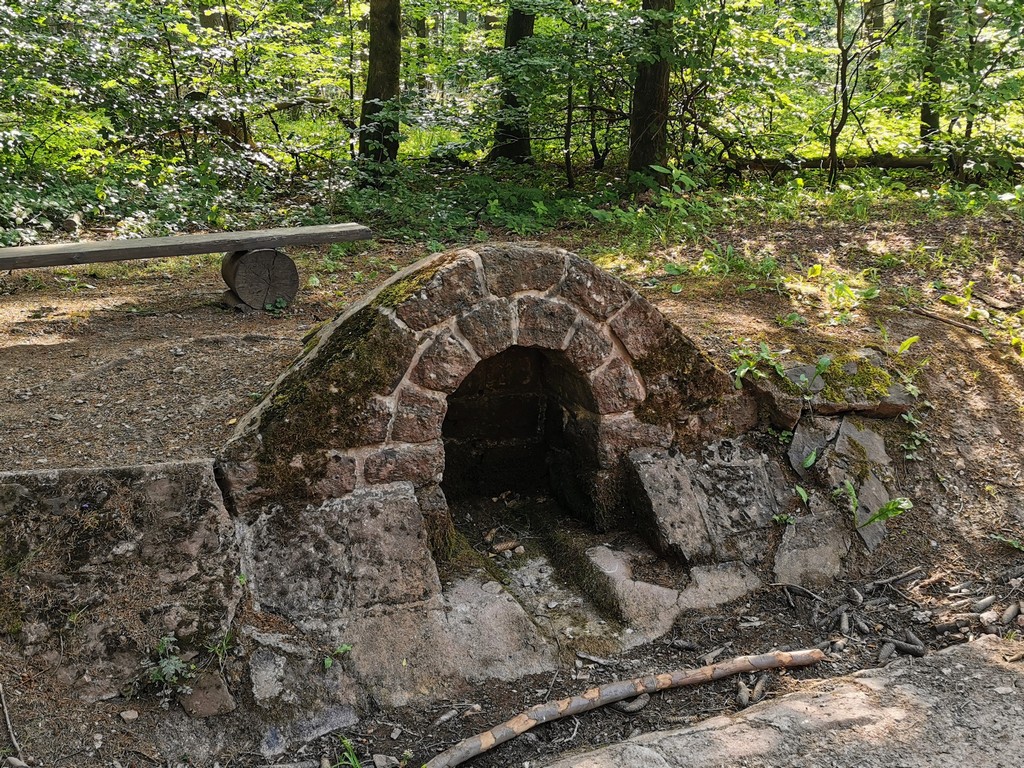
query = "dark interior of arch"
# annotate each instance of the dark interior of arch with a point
(519, 422)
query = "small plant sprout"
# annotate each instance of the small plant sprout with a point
(792, 320)
(907, 344)
(802, 493)
(809, 460)
(892, 508)
(348, 758)
(337, 653)
(784, 519)
(1015, 543)
(850, 493)
(169, 671)
(748, 360)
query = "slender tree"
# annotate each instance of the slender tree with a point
(648, 120)
(512, 132)
(378, 123)
(931, 80)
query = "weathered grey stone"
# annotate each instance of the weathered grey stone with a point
(812, 435)
(421, 464)
(897, 401)
(594, 290)
(640, 327)
(444, 363)
(491, 634)
(544, 323)
(338, 559)
(150, 550)
(871, 496)
(812, 550)
(589, 345)
(209, 696)
(513, 268)
(664, 502)
(857, 450)
(266, 675)
(452, 289)
(782, 409)
(734, 491)
(418, 415)
(489, 327)
(716, 585)
(648, 609)
(618, 434)
(616, 387)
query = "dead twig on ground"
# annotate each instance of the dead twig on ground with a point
(801, 590)
(947, 320)
(10, 727)
(871, 586)
(612, 692)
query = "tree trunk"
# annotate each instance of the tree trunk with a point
(648, 120)
(929, 76)
(378, 123)
(874, 24)
(512, 132)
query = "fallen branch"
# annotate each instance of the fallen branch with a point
(798, 588)
(10, 727)
(946, 320)
(611, 693)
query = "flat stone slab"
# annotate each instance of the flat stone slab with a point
(712, 509)
(963, 706)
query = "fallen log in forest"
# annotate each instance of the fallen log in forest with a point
(881, 162)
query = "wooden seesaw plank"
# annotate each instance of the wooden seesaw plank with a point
(63, 254)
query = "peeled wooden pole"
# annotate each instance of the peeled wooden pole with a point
(612, 692)
(265, 278)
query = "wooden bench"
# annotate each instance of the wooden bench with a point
(258, 273)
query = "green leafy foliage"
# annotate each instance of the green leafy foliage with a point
(889, 510)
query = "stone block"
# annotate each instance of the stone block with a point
(444, 363)
(594, 290)
(510, 268)
(871, 496)
(488, 327)
(812, 550)
(782, 409)
(716, 509)
(338, 476)
(618, 434)
(648, 609)
(421, 464)
(451, 290)
(640, 327)
(492, 636)
(812, 435)
(330, 563)
(419, 414)
(589, 345)
(667, 510)
(617, 387)
(544, 323)
(715, 585)
(209, 696)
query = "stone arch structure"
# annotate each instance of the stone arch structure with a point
(365, 403)
(335, 478)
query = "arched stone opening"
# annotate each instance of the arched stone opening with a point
(511, 426)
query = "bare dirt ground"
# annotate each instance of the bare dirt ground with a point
(139, 363)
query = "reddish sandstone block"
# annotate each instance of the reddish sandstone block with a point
(444, 364)
(419, 464)
(488, 327)
(544, 323)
